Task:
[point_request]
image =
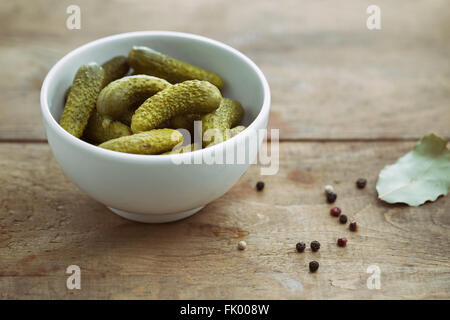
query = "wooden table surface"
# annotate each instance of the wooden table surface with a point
(348, 101)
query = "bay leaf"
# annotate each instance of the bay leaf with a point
(421, 175)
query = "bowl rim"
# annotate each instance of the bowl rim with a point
(109, 154)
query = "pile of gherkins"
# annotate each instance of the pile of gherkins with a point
(135, 104)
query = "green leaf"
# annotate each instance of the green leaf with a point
(422, 174)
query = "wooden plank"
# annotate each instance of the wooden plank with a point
(47, 224)
(331, 78)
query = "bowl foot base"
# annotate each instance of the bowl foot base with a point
(155, 218)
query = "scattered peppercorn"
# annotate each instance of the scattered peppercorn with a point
(331, 197)
(329, 188)
(342, 242)
(300, 246)
(259, 185)
(315, 245)
(361, 183)
(353, 226)
(343, 219)
(335, 211)
(313, 266)
(242, 245)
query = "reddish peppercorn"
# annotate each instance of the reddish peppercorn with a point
(335, 211)
(313, 266)
(300, 246)
(315, 246)
(353, 226)
(342, 242)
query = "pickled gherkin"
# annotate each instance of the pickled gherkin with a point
(115, 68)
(193, 96)
(148, 61)
(215, 124)
(226, 134)
(100, 129)
(149, 142)
(82, 98)
(133, 114)
(119, 99)
(185, 121)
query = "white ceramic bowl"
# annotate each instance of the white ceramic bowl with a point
(153, 188)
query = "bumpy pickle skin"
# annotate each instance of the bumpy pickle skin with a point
(225, 135)
(120, 98)
(229, 133)
(115, 69)
(82, 98)
(185, 121)
(148, 61)
(193, 96)
(100, 129)
(149, 142)
(215, 124)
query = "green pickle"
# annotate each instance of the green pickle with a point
(216, 124)
(100, 129)
(149, 142)
(193, 96)
(148, 61)
(227, 134)
(133, 114)
(185, 121)
(115, 68)
(82, 98)
(120, 98)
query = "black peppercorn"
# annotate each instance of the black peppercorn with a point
(343, 219)
(353, 226)
(331, 197)
(313, 266)
(300, 246)
(315, 246)
(361, 183)
(259, 185)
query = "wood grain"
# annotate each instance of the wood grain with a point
(47, 224)
(330, 77)
(344, 99)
